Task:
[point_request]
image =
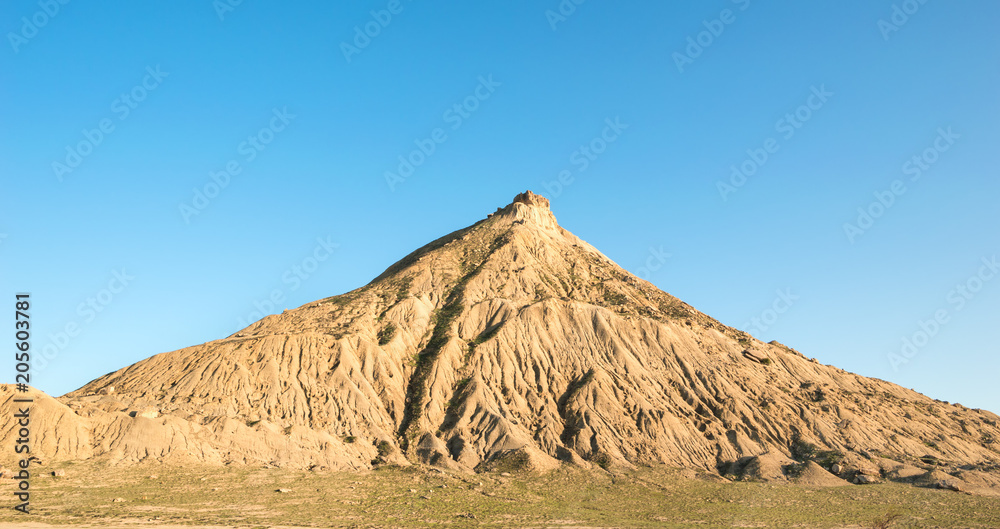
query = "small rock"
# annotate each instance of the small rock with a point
(283, 490)
(413, 491)
(836, 469)
(505, 474)
(863, 479)
(59, 473)
(118, 500)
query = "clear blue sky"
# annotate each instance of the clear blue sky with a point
(181, 89)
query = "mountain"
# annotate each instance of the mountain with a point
(510, 343)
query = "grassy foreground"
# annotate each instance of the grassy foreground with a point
(152, 495)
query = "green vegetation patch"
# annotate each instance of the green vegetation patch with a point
(614, 298)
(386, 334)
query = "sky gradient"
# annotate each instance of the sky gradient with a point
(171, 169)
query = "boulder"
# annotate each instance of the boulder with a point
(948, 484)
(752, 357)
(865, 479)
(854, 464)
(904, 472)
(148, 412)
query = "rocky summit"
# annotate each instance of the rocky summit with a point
(509, 345)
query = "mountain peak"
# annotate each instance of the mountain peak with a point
(531, 199)
(530, 208)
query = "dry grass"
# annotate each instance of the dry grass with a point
(418, 497)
